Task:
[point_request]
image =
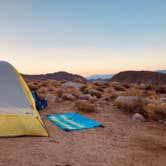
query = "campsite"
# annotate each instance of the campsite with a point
(121, 140)
(82, 82)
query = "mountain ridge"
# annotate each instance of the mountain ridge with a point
(61, 75)
(147, 77)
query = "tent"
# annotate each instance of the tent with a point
(18, 114)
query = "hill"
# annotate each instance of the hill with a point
(55, 76)
(146, 77)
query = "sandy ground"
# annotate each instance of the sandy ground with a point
(123, 142)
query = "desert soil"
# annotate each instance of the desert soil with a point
(123, 142)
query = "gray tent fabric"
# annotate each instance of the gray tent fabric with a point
(12, 96)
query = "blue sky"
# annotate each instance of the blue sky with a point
(83, 36)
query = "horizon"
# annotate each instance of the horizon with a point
(83, 37)
(95, 74)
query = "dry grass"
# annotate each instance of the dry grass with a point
(84, 106)
(161, 89)
(156, 110)
(118, 87)
(146, 98)
(130, 103)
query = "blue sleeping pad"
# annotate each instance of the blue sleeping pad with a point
(40, 104)
(73, 121)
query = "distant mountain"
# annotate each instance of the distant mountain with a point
(100, 77)
(56, 76)
(147, 77)
(161, 71)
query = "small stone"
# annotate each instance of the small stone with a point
(68, 96)
(139, 117)
(72, 84)
(86, 97)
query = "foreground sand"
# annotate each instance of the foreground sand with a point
(123, 142)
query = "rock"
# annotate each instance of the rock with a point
(127, 98)
(139, 117)
(99, 109)
(72, 84)
(68, 96)
(162, 99)
(86, 97)
(50, 98)
(58, 99)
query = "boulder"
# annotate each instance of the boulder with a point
(86, 97)
(50, 98)
(162, 99)
(72, 84)
(68, 96)
(138, 117)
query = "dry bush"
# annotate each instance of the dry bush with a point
(44, 84)
(156, 110)
(78, 80)
(161, 89)
(100, 88)
(42, 95)
(119, 87)
(130, 103)
(33, 86)
(84, 106)
(96, 93)
(151, 94)
(51, 89)
(83, 89)
(42, 89)
(133, 92)
(126, 85)
(59, 92)
(71, 90)
(149, 87)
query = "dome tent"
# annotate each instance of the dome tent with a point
(18, 114)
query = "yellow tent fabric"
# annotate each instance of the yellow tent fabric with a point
(18, 114)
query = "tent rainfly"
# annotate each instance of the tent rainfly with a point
(18, 114)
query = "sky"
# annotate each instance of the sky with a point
(83, 36)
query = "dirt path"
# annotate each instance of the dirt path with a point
(123, 142)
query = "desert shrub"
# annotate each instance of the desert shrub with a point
(130, 103)
(83, 88)
(59, 92)
(75, 92)
(42, 95)
(84, 106)
(126, 85)
(33, 87)
(43, 84)
(156, 110)
(133, 92)
(149, 87)
(68, 96)
(50, 89)
(100, 88)
(118, 87)
(161, 89)
(96, 93)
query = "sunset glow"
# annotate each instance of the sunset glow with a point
(83, 37)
